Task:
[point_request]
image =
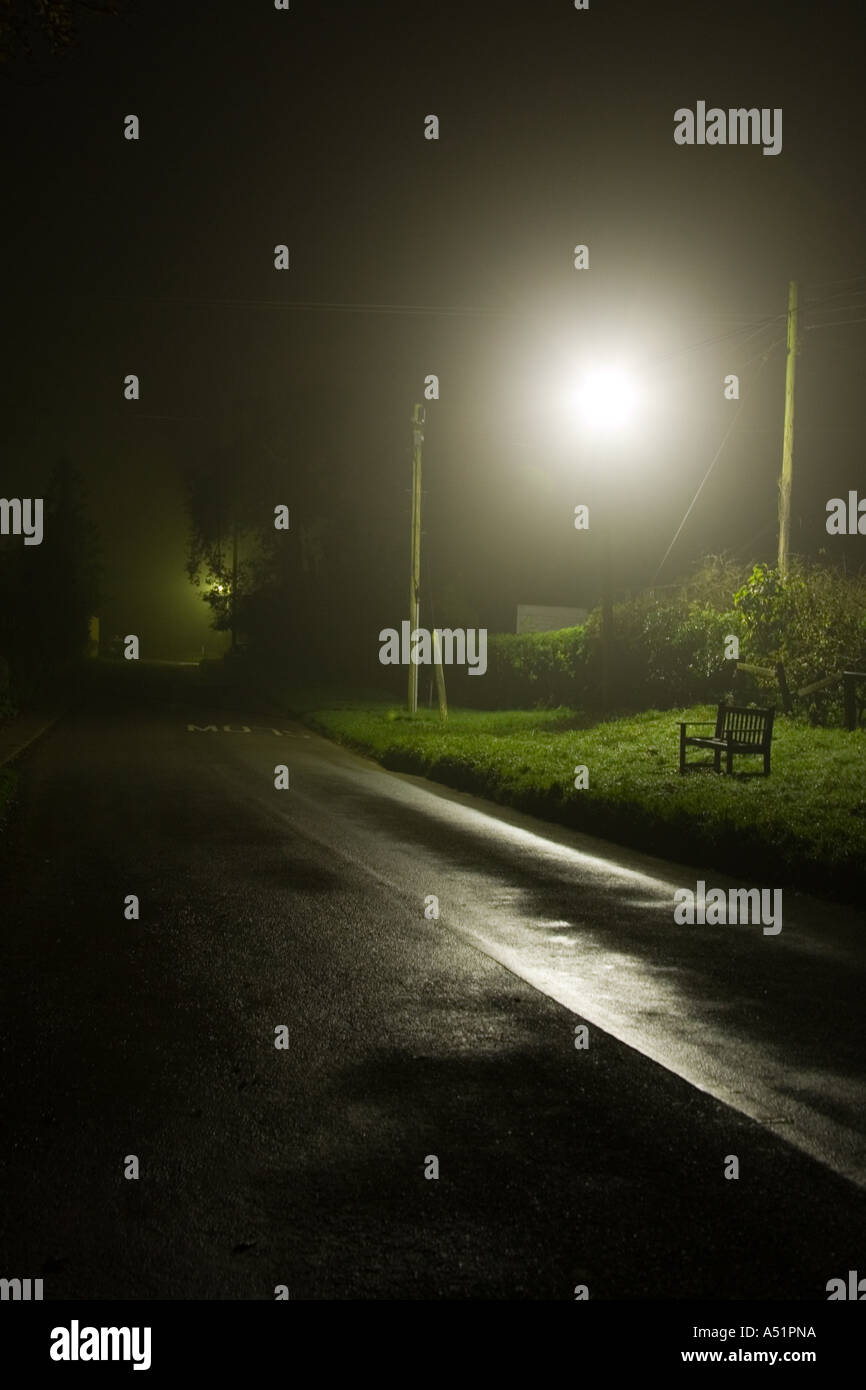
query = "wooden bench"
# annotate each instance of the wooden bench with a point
(738, 730)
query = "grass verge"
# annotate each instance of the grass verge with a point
(804, 825)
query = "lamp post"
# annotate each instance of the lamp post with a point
(606, 402)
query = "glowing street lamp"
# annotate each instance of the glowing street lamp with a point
(606, 401)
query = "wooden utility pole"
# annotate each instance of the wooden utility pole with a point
(788, 438)
(415, 551)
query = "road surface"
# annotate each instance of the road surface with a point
(409, 1037)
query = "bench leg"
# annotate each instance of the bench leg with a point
(767, 763)
(717, 759)
(682, 749)
(729, 760)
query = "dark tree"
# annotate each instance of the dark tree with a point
(49, 592)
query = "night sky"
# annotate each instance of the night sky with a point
(411, 256)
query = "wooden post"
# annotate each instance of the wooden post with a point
(788, 435)
(787, 704)
(849, 685)
(415, 548)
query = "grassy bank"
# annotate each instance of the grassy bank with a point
(804, 825)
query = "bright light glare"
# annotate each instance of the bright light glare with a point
(606, 400)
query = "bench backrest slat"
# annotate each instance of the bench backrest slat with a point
(751, 726)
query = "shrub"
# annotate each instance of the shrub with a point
(814, 621)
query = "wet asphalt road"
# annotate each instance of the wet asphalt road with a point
(407, 1039)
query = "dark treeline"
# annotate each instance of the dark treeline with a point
(48, 593)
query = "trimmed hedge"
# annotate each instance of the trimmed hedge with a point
(662, 655)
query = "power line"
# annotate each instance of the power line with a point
(811, 327)
(817, 303)
(820, 284)
(340, 306)
(303, 305)
(713, 463)
(763, 353)
(719, 338)
(141, 415)
(840, 309)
